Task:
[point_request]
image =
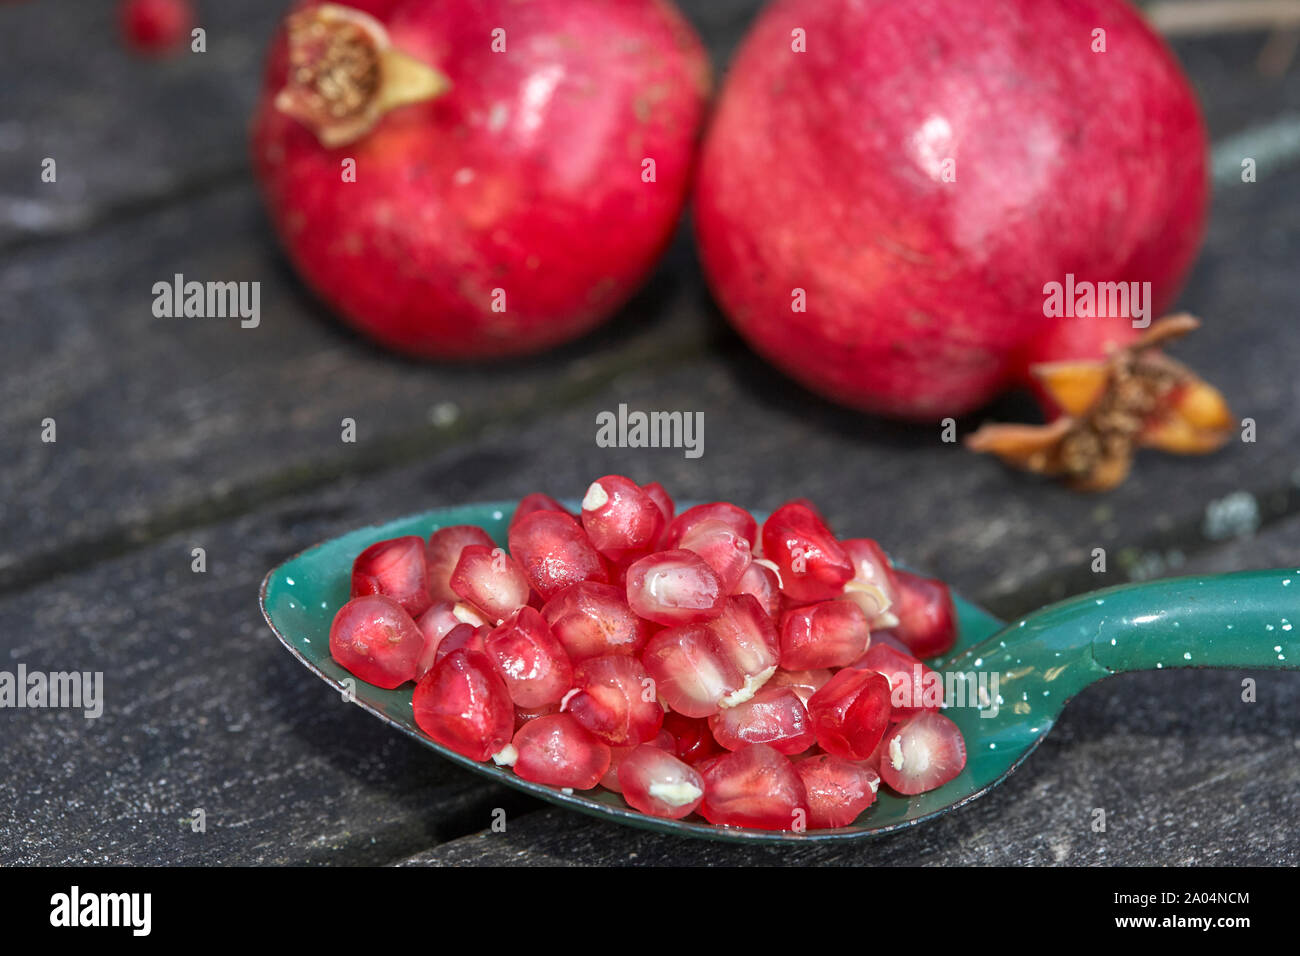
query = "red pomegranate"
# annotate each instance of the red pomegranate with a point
(475, 178)
(887, 191)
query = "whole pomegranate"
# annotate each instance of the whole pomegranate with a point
(887, 188)
(475, 178)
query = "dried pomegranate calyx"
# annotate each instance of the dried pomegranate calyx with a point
(344, 74)
(1135, 398)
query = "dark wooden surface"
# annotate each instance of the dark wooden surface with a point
(174, 434)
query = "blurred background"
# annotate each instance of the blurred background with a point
(177, 434)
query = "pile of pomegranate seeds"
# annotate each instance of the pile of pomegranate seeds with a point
(765, 677)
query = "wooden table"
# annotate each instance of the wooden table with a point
(174, 434)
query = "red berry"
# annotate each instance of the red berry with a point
(503, 200)
(663, 740)
(754, 787)
(436, 623)
(559, 751)
(614, 698)
(674, 587)
(927, 617)
(774, 716)
(156, 27)
(445, 546)
(592, 619)
(912, 685)
(397, 569)
(827, 634)
(462, 637)
(463, 704)
(693, 671)
(374, 638)
(851, 713)
(532, 662)
(725, 551)
(657, 783)
(734, 517)
(536, 502)
(524, 715)
(622, 521)
(554, 552)
(838, 789)
(804, 683)
(760, 580)
(491, 581)
(662, 499)
(811, 563)
(923, 752)
(692, 740)
(749, 642)
(873, 587)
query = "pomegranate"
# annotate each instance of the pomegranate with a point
(923, 752)
(156, 27)
(397, 569)
(444, 548)
(755, 786)
(558, 750)
(658, 784)
(374, 638)
(838, 789)
(888, 191)
(465, 179)
(529, 659)
(463, 705)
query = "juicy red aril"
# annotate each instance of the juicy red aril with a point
(374, 638)
(838, 789)
(657, 783)
(692, 671)
(927, 618)
(615, 699)
(851, 713)
(435, 624)
(761, 582)
(803, 683)
(754, 787)
(659, 495)
(491, 580)
(692, 740)
(812, 565)
(554, 552)
(774, 716)
(749, 641)
(524, 714)
(535, 502)
(674, 587)
(445, 546)
(912, 685)
(592, 619)
(923, 752)
(725, 551)
(529, 659)
(827, 634)
(663, 740)
(397, 569)
(462, 637)
(621, 520)
(873, 587)
(559, 751)
(463, 705)
(738, 519)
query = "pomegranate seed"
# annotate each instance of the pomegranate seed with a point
(463, 705)
(559, 751)
(827, 634)
(462, 637)
(923, 752)
(774, 716)
(536, 502)
(753, 787)
(692, 740)
(738, 519)
(838, 789)
(812, 565)
(622, 521)
(374, 638)
(726, 552)
(662, 499)
(592, 619)
(435, 624)
(443, 552)
(873, 587)
(912, 685)
(614, 698)
(761, 581)
(491, 581)
(803, 683)
(927, 617)
(750, 643)
(692, 670)
(657, 783)
(674, 587)
(397, 569)
(523, 716)
(554, 552)
(851, 713)
(663, 740)
(532, 662)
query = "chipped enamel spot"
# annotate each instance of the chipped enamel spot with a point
(676, 794)
(595, 498)
(752, 687)
(506, 756)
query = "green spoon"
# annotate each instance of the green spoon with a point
(1015, 678)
